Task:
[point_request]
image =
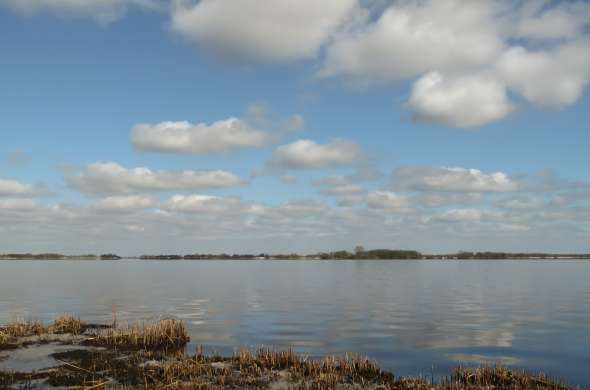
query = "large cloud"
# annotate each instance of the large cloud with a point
(465, 57)
(115, 179)
(307, 154)
(104, 11)
(261, 29)
(411, 38)
(566, 19)
(453, 180)
(551, 78)
(465, 101)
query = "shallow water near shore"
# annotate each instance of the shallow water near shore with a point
(414, 317)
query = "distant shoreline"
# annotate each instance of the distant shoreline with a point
(86, 259)
(359, 253)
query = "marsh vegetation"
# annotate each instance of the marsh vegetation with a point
(152, 356)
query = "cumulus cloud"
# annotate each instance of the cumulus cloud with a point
(340, 189)
(15, 188)
(188, 223)
(566, 19)
(460, 215)
(113, 178)
(465, 57)
(550, 78)
(204, 204)
(265, 30)
(257, 129)
(124, 203)
(343, 188)
(465, 101)
(104, 11)
(307, 154)
(386, 200)
(453, 180)
(410, 38)
(185, 137)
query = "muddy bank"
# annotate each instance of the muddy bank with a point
(152, 356)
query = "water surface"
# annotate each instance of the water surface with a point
(414, 317)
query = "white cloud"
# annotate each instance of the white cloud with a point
(410, 38)
(204, 223)
(259, 127)
(124, 203)
(550, 78)
(566, 19)
(204, 204)
(113, 178)
(307, 154)
(338, 186)
(453, 180)
(344, 188)
(460, 215)
(464, 56)
(185, 137)
(443, 199)
(266, 30)
(104, 11)
(464, 101)
(15, 188)
(386, 200)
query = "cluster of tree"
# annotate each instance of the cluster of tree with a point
(197, 256)
(375, 254)
(110, 256)
(44, 256)
(520, 255)
(358, 253)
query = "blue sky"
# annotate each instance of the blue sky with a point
(349, 126)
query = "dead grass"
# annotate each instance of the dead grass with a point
(165, 334)
(66, 323)
(150, 356)
(22, 329)
(502, 378)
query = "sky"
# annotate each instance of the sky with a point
(250, 126)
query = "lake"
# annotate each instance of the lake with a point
(413, 317)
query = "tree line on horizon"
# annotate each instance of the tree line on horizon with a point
(359, 253)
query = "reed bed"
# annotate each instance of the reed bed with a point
(66, 323)
(150, 356)
(112, 368)
(165, 334)
(22, 329)
(503, 378)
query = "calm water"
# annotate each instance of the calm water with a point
(412, 316)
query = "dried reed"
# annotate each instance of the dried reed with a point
(165, 334)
